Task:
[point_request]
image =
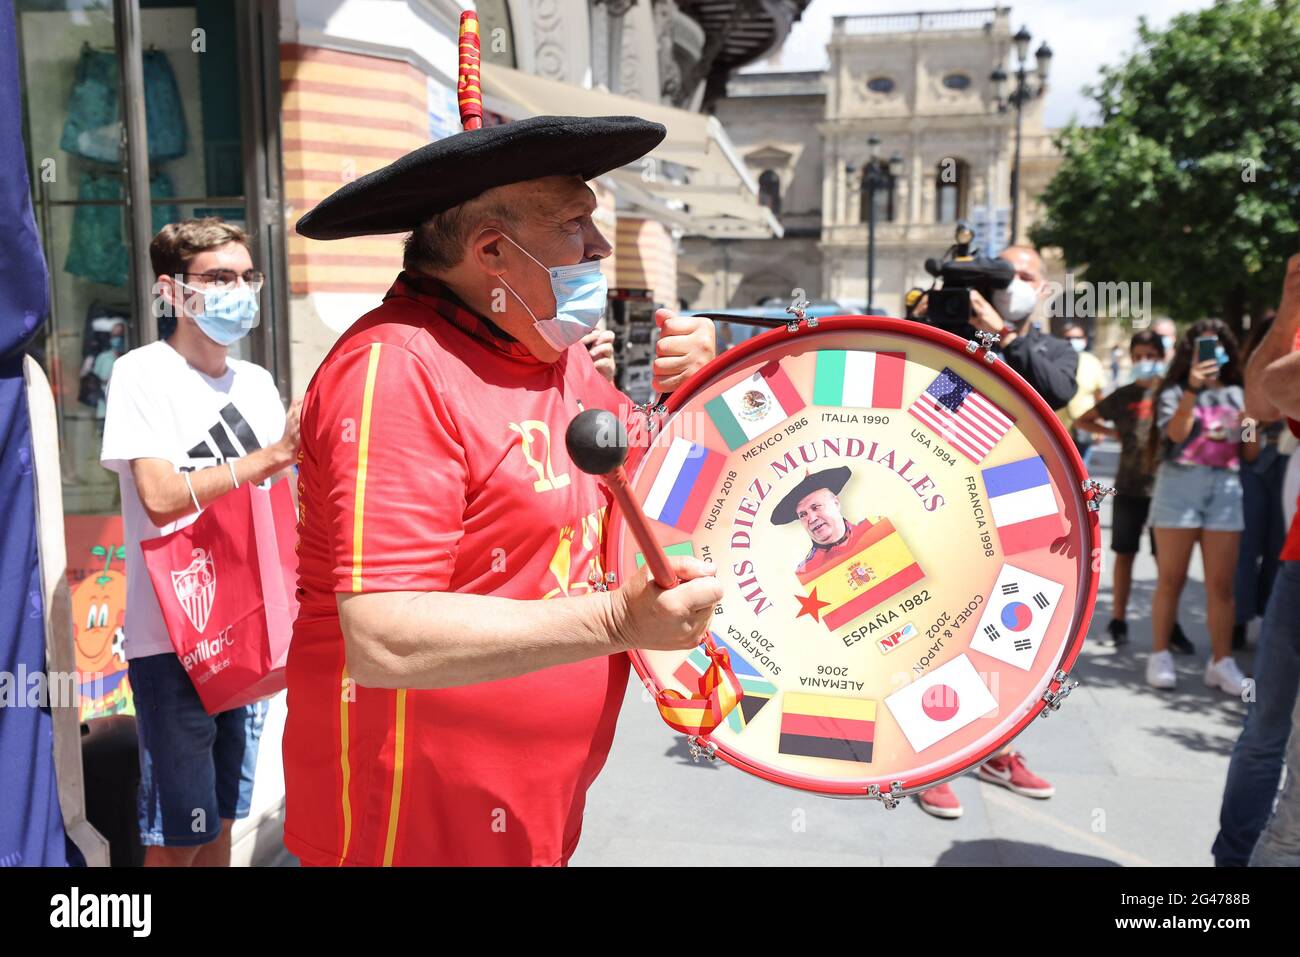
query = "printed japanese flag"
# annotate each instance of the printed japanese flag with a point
(1016, 616)
(755, 405)
(943, 701)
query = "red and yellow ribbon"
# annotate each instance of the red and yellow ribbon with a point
(720, 691)
(469, 91)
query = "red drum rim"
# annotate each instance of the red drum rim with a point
(736, 355)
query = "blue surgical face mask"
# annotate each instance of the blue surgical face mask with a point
(1221, 354)
(228, 314)
(580, 294)
(117, 344)
(1148, 369)
(1078, 344)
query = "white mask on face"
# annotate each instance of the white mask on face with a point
(1016, 302)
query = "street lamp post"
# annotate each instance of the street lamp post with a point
(876, 174)
(1021, 95)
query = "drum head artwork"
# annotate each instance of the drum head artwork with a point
(903, 542)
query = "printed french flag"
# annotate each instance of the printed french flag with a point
(680, 491)
(1024, 508)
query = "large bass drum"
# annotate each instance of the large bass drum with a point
(905, 536)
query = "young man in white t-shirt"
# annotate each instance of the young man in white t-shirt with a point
(184, 425)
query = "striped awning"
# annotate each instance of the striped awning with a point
(721, 197)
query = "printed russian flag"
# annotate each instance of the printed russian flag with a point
(1024, 509)
(758, 690)
(960, 415)
(864, 380)
(822, 726)
(754, 405)
(681, 489)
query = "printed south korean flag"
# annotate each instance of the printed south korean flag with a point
(1016, 616)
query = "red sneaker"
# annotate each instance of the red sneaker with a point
(940, 801)
(1009, 771)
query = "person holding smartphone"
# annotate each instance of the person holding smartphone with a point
(1197, 497)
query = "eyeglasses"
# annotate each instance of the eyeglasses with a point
(228, 277)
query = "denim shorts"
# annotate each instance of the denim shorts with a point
(1197, 496)
(195, 768)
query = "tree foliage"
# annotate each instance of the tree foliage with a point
(1192, 179)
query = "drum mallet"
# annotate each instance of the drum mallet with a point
(597, 444)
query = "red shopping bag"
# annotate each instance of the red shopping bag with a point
(226, 584)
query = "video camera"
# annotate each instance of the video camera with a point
(961, 270)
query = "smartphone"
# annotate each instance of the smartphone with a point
(1205, 347)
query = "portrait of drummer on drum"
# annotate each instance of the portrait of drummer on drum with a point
(815, 504)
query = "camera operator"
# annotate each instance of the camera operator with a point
(1050, 366)
(1047, 363)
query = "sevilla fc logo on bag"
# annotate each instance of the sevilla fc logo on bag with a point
(195, 588)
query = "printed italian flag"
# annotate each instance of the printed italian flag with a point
(863, 380)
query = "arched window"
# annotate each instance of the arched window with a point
(885, 187)
(951, 177)
(769, 191)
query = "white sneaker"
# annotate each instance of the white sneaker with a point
(1226, 676)
(1160, 670)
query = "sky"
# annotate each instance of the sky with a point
(1083, 35)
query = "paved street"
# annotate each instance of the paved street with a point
(1138, 777)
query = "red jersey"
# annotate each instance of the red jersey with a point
(433, 459)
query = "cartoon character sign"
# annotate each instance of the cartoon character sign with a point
(98, 613)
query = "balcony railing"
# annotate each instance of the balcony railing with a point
(920, 22)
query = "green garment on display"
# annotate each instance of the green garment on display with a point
(96, 250)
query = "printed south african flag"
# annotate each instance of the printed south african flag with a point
(758, 690)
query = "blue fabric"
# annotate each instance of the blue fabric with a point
(31, 823)
(92, 128)
(196, 769)
(1265, 531)
(1256, 764)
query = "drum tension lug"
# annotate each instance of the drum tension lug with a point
(1053, 699)
(985, 341)
(887, 798)
(699, 748)
(603, 584)
(1094, 493)
(653, 415)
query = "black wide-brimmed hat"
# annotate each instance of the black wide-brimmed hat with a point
(787, 510)
(446, 173)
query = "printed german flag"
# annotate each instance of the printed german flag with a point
(878, 566)
(822, 726)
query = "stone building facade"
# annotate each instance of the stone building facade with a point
(920, 84)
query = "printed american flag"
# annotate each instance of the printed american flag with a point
(952, 408)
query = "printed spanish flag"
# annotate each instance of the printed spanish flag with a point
(822, 726)
(879, 566)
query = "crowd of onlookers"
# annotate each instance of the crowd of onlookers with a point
(1207, 430)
